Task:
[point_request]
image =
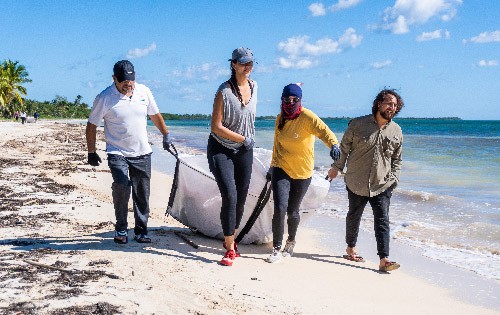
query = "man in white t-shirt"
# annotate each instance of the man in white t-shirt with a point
(124, 106)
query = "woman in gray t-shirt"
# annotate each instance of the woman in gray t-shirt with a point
(230, 145)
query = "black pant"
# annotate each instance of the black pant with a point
(131, 174)
(232, 170)
(287, 194)
(380, 207)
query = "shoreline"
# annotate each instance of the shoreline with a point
(74, 233)
(464, 284)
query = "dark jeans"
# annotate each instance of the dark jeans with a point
(380, 206)
(232, 170)
(131, 174)
(287, 194)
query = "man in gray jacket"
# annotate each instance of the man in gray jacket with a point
(372, 147)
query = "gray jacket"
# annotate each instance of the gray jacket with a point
(373, 155)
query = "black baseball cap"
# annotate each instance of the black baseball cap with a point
(124, 71)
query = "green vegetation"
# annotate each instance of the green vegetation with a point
(12, 76)
(59, 107)
(273, 118)
(428, 118)
(167, 116)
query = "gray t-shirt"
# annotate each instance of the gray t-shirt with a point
(237, 117)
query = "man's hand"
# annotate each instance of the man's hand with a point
(166, 141)
(94, 159)
(335, 152)
(332, 173)
(248, 143)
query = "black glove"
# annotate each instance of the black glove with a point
(166, 141)
(248, 143)
(335, 152)
(269, 174)
(94, 159)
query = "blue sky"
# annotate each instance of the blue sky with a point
(443, 56)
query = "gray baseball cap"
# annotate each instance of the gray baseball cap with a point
(242, 55)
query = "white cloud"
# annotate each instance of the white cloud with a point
(203, 72)
(405, 13)
(381, 64)
(344, 4)
(139, 53)
(487, 63)
(317, 9)
(301, 54)
(437, 34)
(485, 37)
(296, 62)
(190, 94)
(90, 84)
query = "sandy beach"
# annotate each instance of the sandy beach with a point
(57, 254)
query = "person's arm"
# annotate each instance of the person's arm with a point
(216, 125)
(396, 161)
(91, 134)
(322, 131)
(158, 121)
(325, 134)
(274, 157)
(345, 149)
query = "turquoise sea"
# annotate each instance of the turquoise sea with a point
(448, 200)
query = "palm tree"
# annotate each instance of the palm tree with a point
(12, 76)
(3, 90)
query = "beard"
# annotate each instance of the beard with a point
(127, 89)
(387, 115)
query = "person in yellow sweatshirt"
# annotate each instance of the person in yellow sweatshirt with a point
(292, 164)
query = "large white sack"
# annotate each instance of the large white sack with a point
(197, 201)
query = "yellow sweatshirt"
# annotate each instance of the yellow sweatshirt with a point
(293, 149)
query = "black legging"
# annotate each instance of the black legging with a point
(287, 194)
(232, 170)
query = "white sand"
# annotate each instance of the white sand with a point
(169, 276)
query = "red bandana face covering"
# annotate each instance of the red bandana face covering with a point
(291, 110)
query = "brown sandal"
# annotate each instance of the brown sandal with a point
(354, 257)
(389, 266)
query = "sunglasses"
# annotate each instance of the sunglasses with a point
(290, 99)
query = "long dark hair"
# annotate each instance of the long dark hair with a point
(380, 98)
(233, 83)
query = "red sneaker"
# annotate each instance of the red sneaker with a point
(235, 248)
(228, 258)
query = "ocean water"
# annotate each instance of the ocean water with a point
(447, 202)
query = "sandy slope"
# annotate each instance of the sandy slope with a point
(57, 211)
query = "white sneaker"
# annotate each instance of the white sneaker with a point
(274, 257)
(288, 250)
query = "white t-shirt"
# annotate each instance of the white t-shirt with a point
(124, 119)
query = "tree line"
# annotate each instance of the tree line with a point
(12, 77)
